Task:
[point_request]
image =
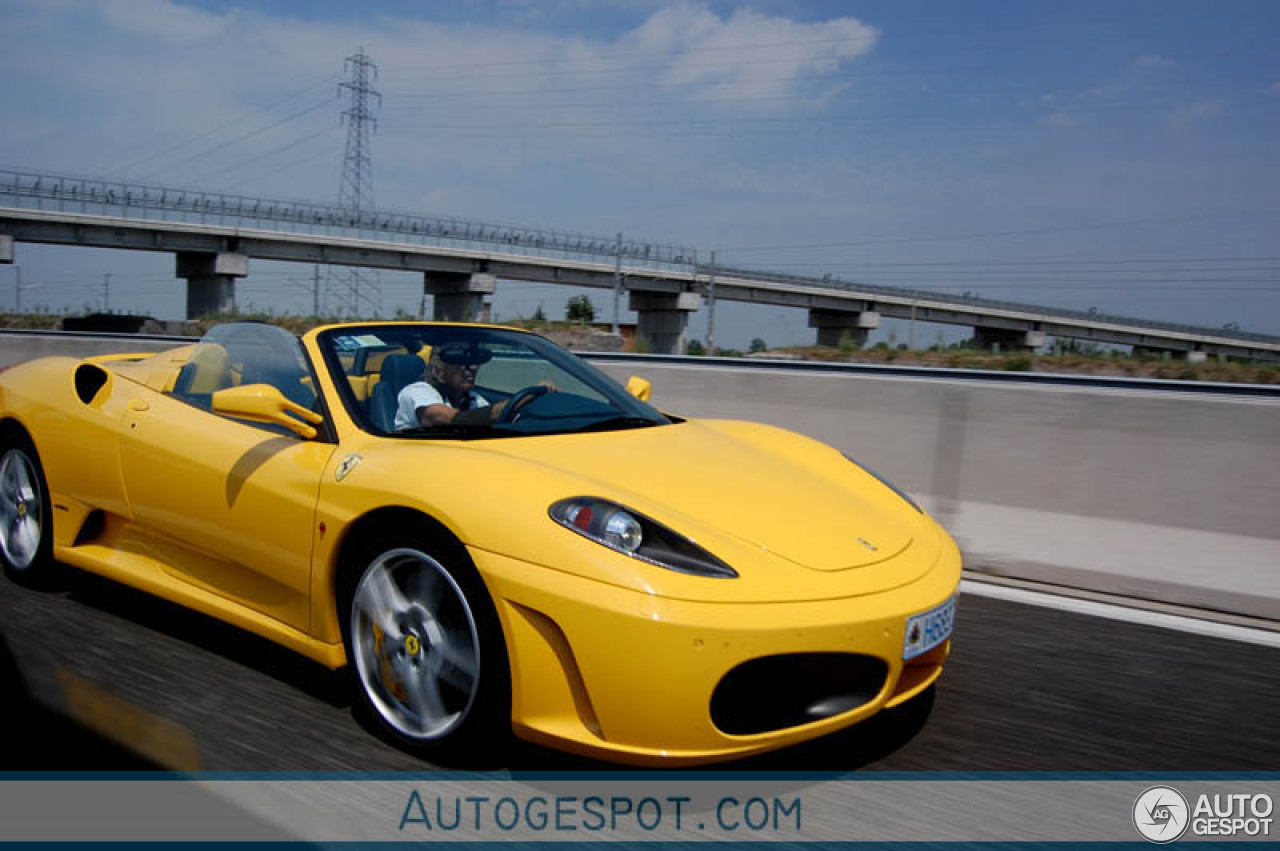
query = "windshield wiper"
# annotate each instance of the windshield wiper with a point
(619, 423)
(459, 432)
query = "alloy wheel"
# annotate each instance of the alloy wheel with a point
(21, 509)
(416, 648)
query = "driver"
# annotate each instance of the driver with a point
(447, 393)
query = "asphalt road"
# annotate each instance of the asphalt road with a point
(96, 676)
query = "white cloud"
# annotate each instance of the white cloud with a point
(748, 55)
(1153, 60)
(1062, 118)
(1201, 109)
(165, 19)
(145, 75)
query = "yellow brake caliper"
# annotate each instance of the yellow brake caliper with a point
(387, 674)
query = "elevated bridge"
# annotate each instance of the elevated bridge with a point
(215, 235)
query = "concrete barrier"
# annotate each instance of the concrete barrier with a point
(1171, 497)
(15, 348)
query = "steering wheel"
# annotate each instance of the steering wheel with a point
(518, 402)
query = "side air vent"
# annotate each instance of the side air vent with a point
(91, 528)
(90, 378)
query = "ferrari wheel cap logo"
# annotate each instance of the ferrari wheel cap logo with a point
(412, 645)
(347, 465)
(22, 509)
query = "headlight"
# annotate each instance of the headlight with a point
(890, 485)
(636, 535)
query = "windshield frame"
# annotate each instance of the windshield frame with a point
(624, 403)
(282, 349)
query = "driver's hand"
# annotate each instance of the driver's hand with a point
(551, 387)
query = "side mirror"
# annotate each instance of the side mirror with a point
(640, 388)
(263, 403)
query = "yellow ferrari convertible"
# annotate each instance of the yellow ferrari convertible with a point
(494, 535)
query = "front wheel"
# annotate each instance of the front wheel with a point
(427, 652)
(25, 534)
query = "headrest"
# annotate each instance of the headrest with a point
(401, 370)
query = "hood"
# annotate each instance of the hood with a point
(775, 490)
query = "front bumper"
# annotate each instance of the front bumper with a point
(621, 675)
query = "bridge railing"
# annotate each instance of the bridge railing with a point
(970, 303)
(70, 194)
(137, 201)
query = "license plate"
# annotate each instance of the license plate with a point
(927, 630)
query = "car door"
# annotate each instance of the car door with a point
(225, 504)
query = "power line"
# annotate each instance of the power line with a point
(826, 75)
(261, 177)
(271, 153)
(238, 139)
(953, 34)
(467, 71)
(1051, 262)
(1126, 108)
(988, 234)
(561, 67)
(221, 127)
(414, 69)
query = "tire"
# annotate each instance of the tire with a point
(26, 521)
(425, 648)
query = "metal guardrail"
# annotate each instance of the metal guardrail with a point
(939, 373)
(62, 193)
(121, 337)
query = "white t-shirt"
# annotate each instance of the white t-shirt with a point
(420, 394)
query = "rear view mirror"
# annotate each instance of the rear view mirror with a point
(640, 388)
(263, 403)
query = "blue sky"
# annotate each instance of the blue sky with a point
(1110, 155)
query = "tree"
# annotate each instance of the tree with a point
(758, 345)
(539, 315)
(695, 347)
(580, 309)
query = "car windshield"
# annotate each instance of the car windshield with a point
(530, 385)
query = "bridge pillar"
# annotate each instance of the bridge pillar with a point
(837, 327)
(1192, 356)
(1007, 339)
(6, 248)
(459, 297)
(663, 319)
(211, 280)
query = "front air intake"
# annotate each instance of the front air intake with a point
(776, 692)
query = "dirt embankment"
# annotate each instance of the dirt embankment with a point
(1069, 364)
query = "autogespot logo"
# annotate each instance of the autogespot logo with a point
(1161, 814)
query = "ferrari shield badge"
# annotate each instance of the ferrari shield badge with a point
(347, 465)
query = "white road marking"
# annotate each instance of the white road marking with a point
(1093, 608)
